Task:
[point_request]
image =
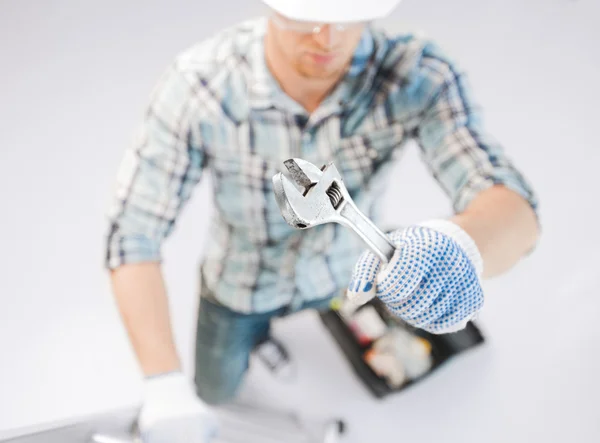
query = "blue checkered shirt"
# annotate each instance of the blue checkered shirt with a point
(217, 110)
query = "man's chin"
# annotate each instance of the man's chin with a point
(320, 72)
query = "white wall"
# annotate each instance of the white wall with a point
(74, 79)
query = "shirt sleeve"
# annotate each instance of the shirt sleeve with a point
(462, 156)
(157, 174)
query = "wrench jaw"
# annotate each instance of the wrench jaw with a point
(306, 210)
(291, 203)
(321, 200)
(304, 173)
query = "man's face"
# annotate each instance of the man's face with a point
(315, 50)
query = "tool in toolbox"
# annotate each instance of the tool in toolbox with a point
(239, 423)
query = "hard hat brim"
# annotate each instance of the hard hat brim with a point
(333, 11)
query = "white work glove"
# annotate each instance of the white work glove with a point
(173, 413)
(432, 282)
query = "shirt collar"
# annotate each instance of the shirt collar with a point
(265, 92)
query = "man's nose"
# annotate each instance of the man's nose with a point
(327, 37)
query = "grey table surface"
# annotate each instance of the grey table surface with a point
(239, 423)
(77, 430)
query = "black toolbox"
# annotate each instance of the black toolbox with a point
(441, 347)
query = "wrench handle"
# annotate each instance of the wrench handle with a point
(376, 239)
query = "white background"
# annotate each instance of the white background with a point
(75, 77)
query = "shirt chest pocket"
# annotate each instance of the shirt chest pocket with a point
(359, 157)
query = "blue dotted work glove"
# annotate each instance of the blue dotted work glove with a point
(432, 282)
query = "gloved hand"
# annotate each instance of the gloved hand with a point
(432, 282)
(173, 413)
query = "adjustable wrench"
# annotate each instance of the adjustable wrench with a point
(324, 199)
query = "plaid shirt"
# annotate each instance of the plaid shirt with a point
(218, 110)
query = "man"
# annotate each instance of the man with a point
(315, 80)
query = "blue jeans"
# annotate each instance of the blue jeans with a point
(224, 342)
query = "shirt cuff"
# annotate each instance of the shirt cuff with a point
(127, 250)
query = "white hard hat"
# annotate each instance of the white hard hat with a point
(333, 11)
